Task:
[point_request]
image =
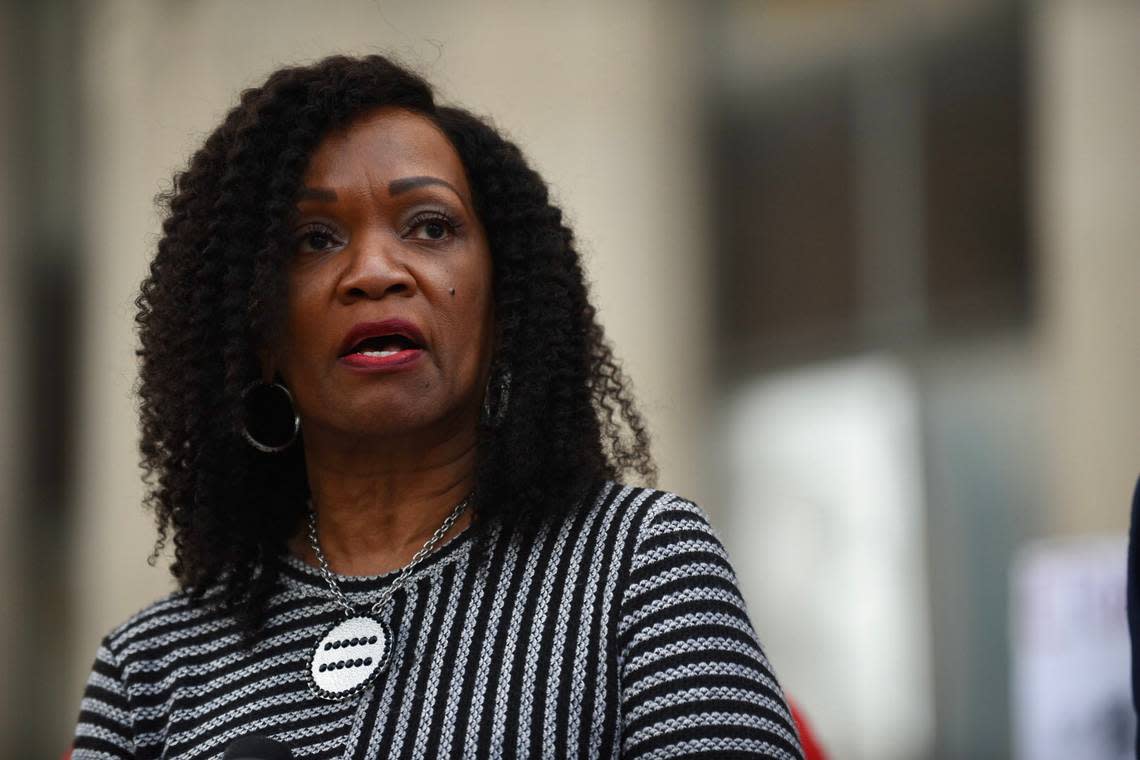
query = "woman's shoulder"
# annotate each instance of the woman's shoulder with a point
(634, 514)
(662, 532)
(158, 621)
(645, 507)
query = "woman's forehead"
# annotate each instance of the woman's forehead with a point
(382, 146)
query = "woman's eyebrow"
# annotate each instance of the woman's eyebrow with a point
(397, 186)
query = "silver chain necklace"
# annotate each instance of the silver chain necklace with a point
(352, 653)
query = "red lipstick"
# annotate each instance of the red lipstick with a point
(390, 344)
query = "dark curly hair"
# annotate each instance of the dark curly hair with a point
(215, 293)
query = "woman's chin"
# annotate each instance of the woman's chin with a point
(405, 425)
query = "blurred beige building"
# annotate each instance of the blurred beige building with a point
(621, 108)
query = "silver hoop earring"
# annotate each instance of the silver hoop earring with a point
(495, 410)
(268, 448)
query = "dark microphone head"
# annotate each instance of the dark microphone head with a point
(256, 747)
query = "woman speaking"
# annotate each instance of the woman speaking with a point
(384, 433)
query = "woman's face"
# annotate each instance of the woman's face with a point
(390, 314)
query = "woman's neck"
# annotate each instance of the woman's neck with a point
(377, 504)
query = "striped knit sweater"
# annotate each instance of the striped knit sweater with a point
(618, 633)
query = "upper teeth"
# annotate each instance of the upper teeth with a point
(380, 353)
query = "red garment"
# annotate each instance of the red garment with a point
(812, 750)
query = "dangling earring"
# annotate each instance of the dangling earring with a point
(264, 404)
(494, 411)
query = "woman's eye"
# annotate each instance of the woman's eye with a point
(432, 227)
(434, 230)
(316, 240)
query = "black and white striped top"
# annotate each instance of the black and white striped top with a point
(619, 633)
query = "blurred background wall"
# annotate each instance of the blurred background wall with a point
(891, 343)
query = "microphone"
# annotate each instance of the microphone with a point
(254, 747)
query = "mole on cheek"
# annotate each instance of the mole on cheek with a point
(452, 291)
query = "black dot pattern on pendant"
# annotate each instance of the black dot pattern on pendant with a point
(355, 642)
(342, 664)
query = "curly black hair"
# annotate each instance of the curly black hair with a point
(215, 293)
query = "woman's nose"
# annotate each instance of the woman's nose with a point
(376, 269)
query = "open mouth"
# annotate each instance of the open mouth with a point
(382, 346)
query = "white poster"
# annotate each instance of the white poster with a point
(1072, 697)
(826, 527)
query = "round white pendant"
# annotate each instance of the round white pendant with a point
(349, 657)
